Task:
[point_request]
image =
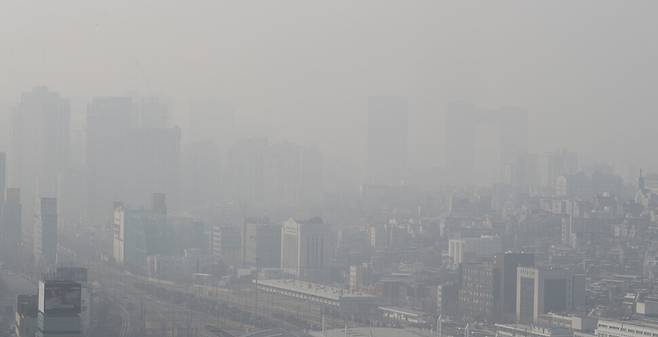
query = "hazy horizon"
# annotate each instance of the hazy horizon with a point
(584, 71)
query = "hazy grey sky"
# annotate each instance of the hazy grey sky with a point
(585, 70)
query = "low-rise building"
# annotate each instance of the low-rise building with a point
(523, 330)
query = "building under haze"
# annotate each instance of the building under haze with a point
(108, 121)
(246, 173)
(293, 179)
(304, 247)
(506, 268)
(460, 250)
(261, 243)
(59, 308)
(130, 154)
(46, 232)
(509, 127)
(541, 290)
(129, 245)
(387, 144)
(12, 227)
(39, 146)
(3, 177)
(139, 233)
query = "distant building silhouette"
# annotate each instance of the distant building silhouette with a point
(39, 147)
(388, 133)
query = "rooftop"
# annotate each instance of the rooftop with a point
(314, 289)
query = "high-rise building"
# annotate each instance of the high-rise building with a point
(129, 246)
(513, 131)
(460, 143)
(225, 241)
(506, 267)
(158, 232)
(477, 291)
(39, 146)
(140, 232)
(387, 140)
(202, 180)
(261, 243)
(45, 232)
(59, 308)
(246, 173)
(12, 227)
(560, 163)
(460, 250)
(293, 178)
(126, 161)
(304, 247)
(108, 121)
(152, 161)
(3, 177)
(540, 290)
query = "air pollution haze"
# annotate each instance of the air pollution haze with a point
(325, 168)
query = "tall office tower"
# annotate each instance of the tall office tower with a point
(304, 248)
(151, 112)
(246, 173)
(525, 173)
(460, 143)
(513, 132)
(543, 290)
(560, 163)
(153, 164)
(59, 309)
(477, 291)
(311, 189)
(45, 232)
(506, 267)
(261, 243)
(108, 121)
(159, 233)
(39, 146)
(282, 173)
(129, 245)
(3, 178)
(293, 178)
(387, 140)
(201, 176)
(125, 162)
(12, 227)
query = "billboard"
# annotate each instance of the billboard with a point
(59, 297)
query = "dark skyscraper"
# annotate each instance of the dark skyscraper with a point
(506, 266)
(387, 140)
